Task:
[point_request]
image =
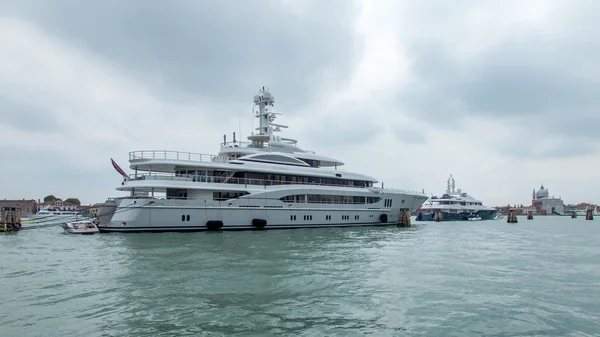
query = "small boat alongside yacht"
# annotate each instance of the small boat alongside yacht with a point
(80, 227)
(455, 205)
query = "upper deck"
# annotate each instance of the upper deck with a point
(167, 161)
(146, 155)
(201, 181)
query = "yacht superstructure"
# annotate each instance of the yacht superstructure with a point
(268, 182)
(455, 205)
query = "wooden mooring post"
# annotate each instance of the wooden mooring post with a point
(573, 215)
(512, 217)
(530, 215)
(10, 220)
(404, 218)
(589, 214)
(438, 216)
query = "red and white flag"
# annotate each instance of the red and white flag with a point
(118, 168)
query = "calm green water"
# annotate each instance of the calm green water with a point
(539, 277)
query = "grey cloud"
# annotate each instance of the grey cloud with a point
(409, 134)
(513, 80)
(347, 128)
(25, 116)
(221, 50)
(531, 150)
(524, 79)
(552, 81)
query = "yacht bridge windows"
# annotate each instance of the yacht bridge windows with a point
(311, 162)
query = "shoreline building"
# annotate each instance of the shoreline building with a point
(24, 207)
(546, 205)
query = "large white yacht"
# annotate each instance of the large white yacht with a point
(52, 215)
(455, 205)
(267, 182)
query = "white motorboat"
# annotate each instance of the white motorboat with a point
(80, 227)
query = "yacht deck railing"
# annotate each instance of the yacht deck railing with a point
(177, 155)
(242, 145)
(248, 181)
(250, 145)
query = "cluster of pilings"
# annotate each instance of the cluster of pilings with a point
(404, 218)
(573, 215)
(512, 217)
(437, 217)
(10, 219)
(589, 214)
(530, 215)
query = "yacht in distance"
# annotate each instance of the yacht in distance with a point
(455, 205)
(52, 213)
(268, 182)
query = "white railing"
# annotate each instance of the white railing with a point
(240, 144)
(176, 155)
(247, 181)
(246, 197)
(401, 191)
(232, 180)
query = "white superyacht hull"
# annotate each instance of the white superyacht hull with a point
(135, 215)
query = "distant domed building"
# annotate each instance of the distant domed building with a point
(546, 205)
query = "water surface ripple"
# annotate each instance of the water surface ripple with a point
(534, 278)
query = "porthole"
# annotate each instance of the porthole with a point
(188, 217)
(183, 218)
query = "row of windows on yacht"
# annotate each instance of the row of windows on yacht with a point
(461, 203)
(329, 199)
(252, 178)
(296, 198)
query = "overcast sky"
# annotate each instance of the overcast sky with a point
(504, 95)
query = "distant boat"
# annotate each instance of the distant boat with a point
(579, 211)
(455, 205)
(50, 215)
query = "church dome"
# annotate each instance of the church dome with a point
(541, 193)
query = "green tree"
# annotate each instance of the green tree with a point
(50, 198)
(74, 201)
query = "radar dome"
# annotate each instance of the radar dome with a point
(256, 98)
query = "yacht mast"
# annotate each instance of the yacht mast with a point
(266, 115)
